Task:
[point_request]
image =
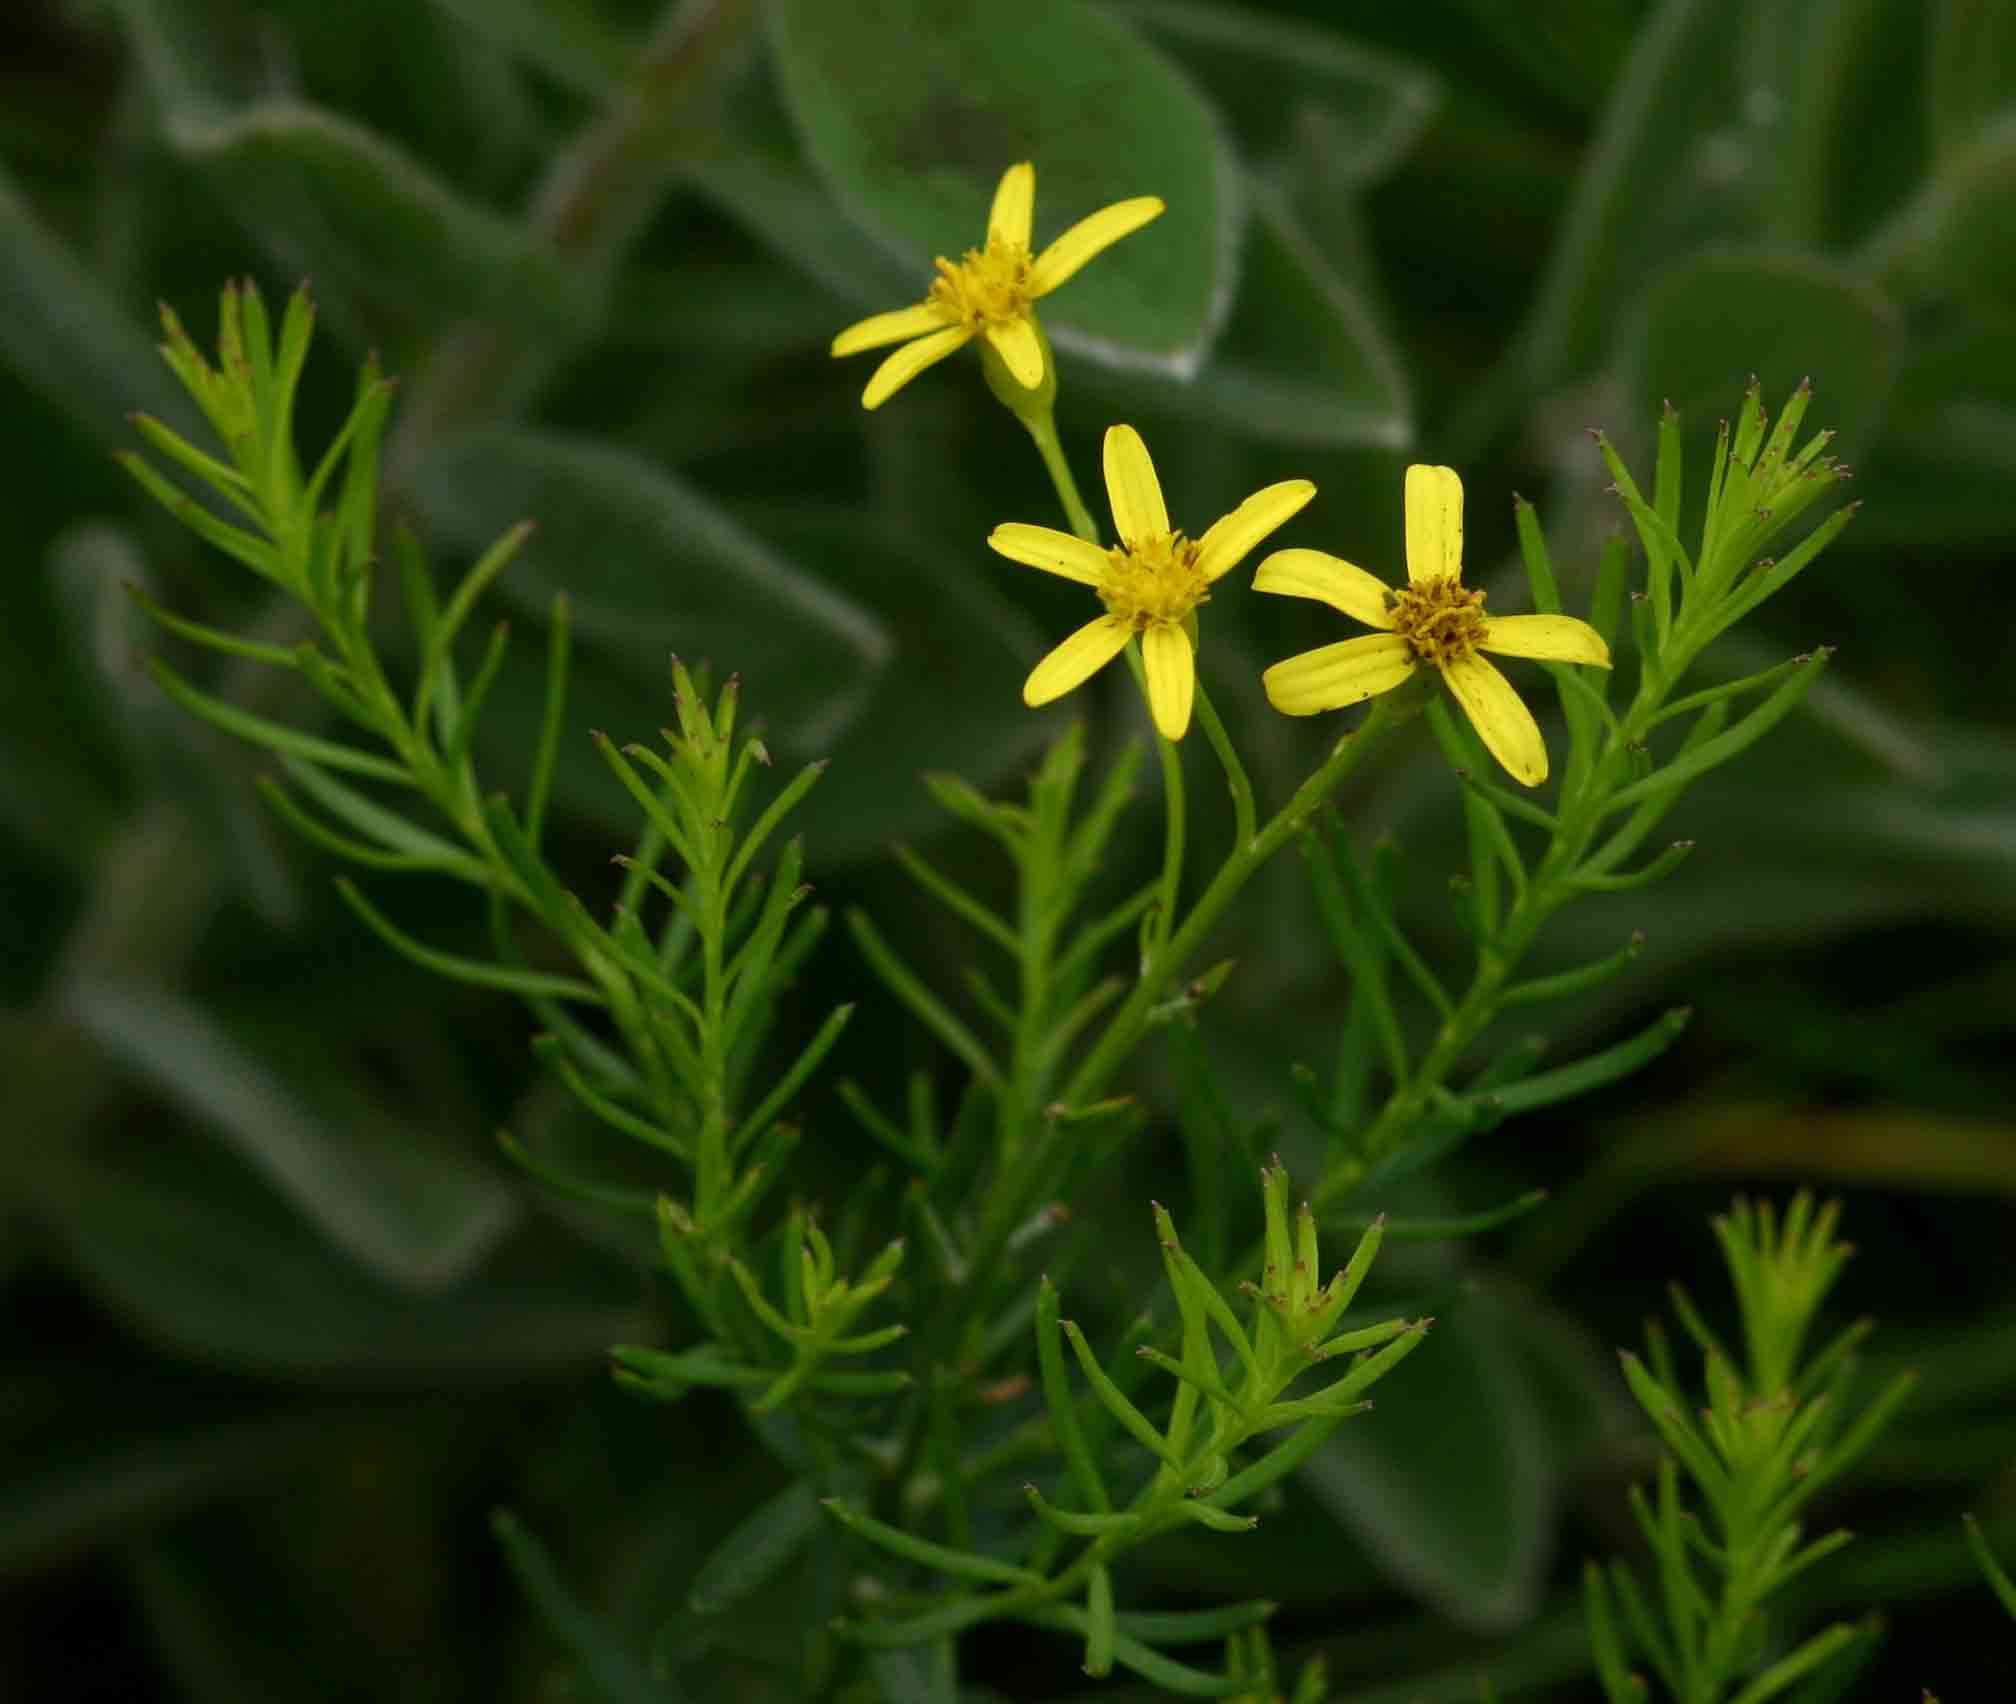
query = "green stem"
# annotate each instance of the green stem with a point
(1243, 815)
(1010, 1202)
(1124, 1029)
(1043, 428)
(1549, 888)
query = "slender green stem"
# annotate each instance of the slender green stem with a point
(1125, 1027)
(1043, 428)
(1243, 816)
(1548, 888)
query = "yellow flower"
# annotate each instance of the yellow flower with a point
(1150, 582)
(1433, 621)
(989, 292)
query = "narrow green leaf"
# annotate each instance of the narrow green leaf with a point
(1620, 1686)
(1130, 1653)
(253, 650)
(773, 814)
(552, 1052)
(1194, 1626)
(449, 621)
(957, 900)
(387, 827)
(1564, 1082)
(254, 552)
(1663, 865)
(1800, 1663)
(479, 972)
(1082, 1526)
(275, 736)
(1205, 1515)
(564, 1183)
(905, 985)
(942, 1558)
(361, 852)
(1996, 1575)
(793, 1080)
(1566, 984)
(1115, 1402)
(1078, 1460)
(546, 750)
(1712, 753)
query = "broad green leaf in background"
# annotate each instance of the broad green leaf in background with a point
(1302, 360)
(57, 1504)
(1956, 239)
(1947, 463)
(1452, 1482)
(94, 567)
(756, 172)
(652, 568)
(920, 1674)
(1828, 87)
(202, 1260)
(407, 1210)
(949, 697)
(1797, 316)
(570, 43)
(1674, 84)
(331, 199)
(68, 340)
(1284, 86)
(1970, 68)
(1569, 48)
(912, 109)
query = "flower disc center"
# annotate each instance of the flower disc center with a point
(1441, 619)
(986, 286)
(1155, 581)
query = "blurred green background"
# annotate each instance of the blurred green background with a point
(278, 1328)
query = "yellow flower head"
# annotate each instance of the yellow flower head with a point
(990, 292)
(1151, 582)
(1432, 621)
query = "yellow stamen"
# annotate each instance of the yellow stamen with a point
(986, 286)
(1441, 619)
(1157, 581)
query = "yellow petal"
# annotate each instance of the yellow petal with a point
(903, 366)
(1328, 579)
(1052, 551)
(1132, 488)
(1551, 638)
(897, 326)
(1082, 655)
(1021, 351)
(1500, 717)
(1434, 523)
(1332, 676)
(1085, 239)
(1014, 206)
(1226, 541)
(1172, 677)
